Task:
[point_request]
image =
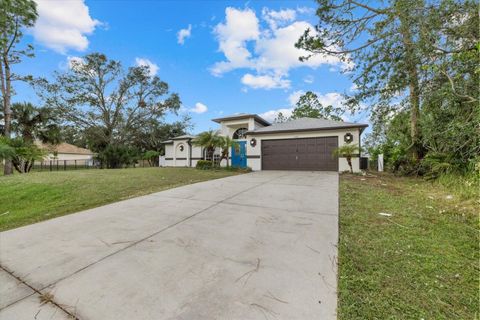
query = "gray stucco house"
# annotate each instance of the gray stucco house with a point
(300, 144)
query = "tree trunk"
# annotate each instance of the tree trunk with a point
(411, 62)
(349, 161)
(18, 165)
(211, 152)
(7, 112)
(30, 166)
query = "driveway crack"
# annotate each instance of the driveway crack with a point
(44, 297)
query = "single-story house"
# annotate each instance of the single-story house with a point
(66, 151)
(299, 144)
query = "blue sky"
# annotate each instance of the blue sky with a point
(222, 57)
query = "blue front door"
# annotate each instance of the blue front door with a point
(239, 157)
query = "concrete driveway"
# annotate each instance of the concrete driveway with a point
(255, 246)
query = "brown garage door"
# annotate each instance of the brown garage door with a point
(300, 154)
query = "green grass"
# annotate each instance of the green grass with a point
(37, 196)
(466, 186)
(420, 263)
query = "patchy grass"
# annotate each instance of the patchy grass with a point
(422, 262)
(466, 186)
(37, 196)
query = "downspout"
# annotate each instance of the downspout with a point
(189, 152)
(360, 142)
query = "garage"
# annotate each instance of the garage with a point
(312, 154)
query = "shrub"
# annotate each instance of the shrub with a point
(22, 153)
(204, 164)
(151, 156)
(6, 151)
(117, 156)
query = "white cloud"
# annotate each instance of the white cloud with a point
(142, 62)
(265, 81)
(184, 34)
(279, 53)
(64, 25)
(199, 108)
(276, 18)
(270, 50)
(305, 10)
(294, 96)
(309, 79)
(331, 98)
(271, 115)
(240, 26)
(73, 61)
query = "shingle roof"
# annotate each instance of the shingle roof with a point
(306, 124)
(63, 148)
(243, 116)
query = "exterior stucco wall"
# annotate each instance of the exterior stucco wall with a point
(254, 153)
(257, 125)
(168, 151)
(69, 156)
(169, 155)
(228, 128)
(174, 157)
(197, 153)
(181, 158)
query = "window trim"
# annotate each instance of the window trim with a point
(243, 134)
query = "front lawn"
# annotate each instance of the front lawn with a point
(38, 196)
(419, 259)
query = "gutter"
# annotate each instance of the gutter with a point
(363, 126)
(189, 152)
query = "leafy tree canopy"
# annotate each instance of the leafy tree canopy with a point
(401, 50)
(415, 64)
(111, 104)
(308, 106)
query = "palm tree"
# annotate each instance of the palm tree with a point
(208, 140)
(33, 123)
(6, 151)
(225, 143)
(347, 151)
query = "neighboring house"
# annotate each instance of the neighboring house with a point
(65, 151)
(300, 144)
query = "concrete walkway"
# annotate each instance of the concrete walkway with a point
(255, 246)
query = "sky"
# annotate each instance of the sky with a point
(221, 57)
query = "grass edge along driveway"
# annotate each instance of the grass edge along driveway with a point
(419, 260)
(38, 196)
